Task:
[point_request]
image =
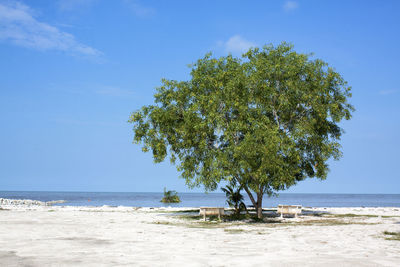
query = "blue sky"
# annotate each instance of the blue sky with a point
(71, 72)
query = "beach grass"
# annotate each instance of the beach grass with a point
(248, 218)
(199, 224)
(234, 231)
(324, 222)
(352, 215)
(164, 223)
(186, 211)
(392, 235)
(190, 220)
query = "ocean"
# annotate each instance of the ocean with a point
(137, 199)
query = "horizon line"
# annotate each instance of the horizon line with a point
(57, 191)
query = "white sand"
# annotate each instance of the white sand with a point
(74, 236)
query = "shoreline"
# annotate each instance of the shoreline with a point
(202, 199)
(372, 211)
(11, 202)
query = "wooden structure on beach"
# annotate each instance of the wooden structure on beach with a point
(211, 211)
(289, 209)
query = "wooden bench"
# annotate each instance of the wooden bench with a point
(289, 209)
(211, 211)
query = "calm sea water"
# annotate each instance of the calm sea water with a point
(201, 199)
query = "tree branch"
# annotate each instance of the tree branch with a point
(247, 191)
(276, 117)
(250, 195)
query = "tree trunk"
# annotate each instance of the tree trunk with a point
(250, 196)
(259, 205)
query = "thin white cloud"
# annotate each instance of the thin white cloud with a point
(290, 5)
(19, 26)
(114, 91)
(388, 92)
(237, 44)
(139, 10)
(70, 5)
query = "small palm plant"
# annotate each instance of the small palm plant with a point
(170, 196)
(234, 199)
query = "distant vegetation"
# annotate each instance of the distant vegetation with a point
(170, 196)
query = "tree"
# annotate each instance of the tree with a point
(170, 196)
(234, 198)
(265, 120)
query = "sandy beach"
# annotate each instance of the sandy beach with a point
(117, 236)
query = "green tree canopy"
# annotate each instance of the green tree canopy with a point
(265, 120)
